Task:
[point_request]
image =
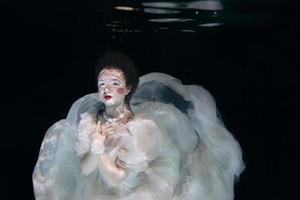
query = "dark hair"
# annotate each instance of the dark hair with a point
(121, 61)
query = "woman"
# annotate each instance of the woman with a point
(166, 143)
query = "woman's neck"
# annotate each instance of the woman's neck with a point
(115, 111)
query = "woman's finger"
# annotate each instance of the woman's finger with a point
(98, 127)
(108, 131)
(107, 125)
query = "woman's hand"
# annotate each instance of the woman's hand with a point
(101, 131)
(106, 129)
(97, 135)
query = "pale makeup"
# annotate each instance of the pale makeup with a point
(112, 90)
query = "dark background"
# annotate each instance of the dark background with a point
(249, 64)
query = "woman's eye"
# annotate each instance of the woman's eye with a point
(100, 84)
(115, 83)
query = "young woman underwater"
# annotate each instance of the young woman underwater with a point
(151, 138)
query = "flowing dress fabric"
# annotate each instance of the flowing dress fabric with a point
(186, 154)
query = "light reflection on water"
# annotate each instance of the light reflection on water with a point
(168, 20)
(160, 11)
(199, 5)
(211, 24)
(182, 16)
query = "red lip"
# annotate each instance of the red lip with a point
(107, 97)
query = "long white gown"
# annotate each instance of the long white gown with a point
(175, 148)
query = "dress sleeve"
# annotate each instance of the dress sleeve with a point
(150, 161)
(84, 130)
(57, 168)
(144, 145)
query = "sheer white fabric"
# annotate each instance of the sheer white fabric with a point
(176, 148)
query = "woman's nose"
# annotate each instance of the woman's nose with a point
(106, 88)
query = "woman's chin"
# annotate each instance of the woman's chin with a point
(110, 103)
(107, 101)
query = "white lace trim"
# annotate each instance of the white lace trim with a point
(86, 127)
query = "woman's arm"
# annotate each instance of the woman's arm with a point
(89, 163)
(111, 173)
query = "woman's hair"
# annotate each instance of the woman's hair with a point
(121, 61)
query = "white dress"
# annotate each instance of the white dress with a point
(175, 148)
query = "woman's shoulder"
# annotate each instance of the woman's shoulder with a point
(139, 121)
(146, 136)
(142, 127)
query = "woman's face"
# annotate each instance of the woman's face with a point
(112, 87)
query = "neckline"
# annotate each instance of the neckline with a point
(118, 119)
(109, 119)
